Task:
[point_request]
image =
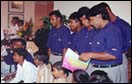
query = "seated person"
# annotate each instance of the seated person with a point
(26, 71)
(15, 43)
(80, 76)
(60, 74)
(13, 28)
(99, 76)
(44, 73)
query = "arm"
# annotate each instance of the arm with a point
(112, 48)
(49, 44)
(64, 52)
(17, 76)
(97, 56)
(65, 42)
(49, 52)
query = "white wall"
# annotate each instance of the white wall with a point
(28, 12)
(120, 8)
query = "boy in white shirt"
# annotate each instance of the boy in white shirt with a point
(26, 71)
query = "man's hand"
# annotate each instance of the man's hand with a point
(85, 56)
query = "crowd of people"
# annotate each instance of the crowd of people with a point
(95, 33)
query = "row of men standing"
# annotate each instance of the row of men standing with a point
(98, 35)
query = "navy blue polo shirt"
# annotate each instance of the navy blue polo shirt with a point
(85, 40)
(58, 39)
(126, 32)
(74, 40)
(108, 40)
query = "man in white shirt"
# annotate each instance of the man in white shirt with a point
(14, 28)
(26, 71)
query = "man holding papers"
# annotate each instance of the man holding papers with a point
(106, 52)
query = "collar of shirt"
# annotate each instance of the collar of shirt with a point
(54, 28)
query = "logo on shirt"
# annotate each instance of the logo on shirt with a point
(114, 49)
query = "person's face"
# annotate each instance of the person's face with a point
(55, 72)
(41, 23)
(13, 21)
(96, 21)
(17, 44)
(54, 20)
(36, 61)
(84, 20)
(73, 25)
(16, 57)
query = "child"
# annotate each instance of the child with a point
(44, 73)
(99, 76)
(80, 76)
(60, 74)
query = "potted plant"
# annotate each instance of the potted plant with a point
(26, 30)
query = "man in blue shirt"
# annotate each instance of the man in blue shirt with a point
(106, 52)
(126, 39)
(87, 33)
(58, 39)
(75, 26)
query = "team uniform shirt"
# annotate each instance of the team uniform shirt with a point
(58, 39)
(74, 40)
(108, 40)
(126, 32)
(85, 40)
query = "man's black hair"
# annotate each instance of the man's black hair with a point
(83, 11)
(58, 66)
(74, 16)
(99, 76)
(23, 41)
(99, 9)
(42, 57)
(15, 18)
(80, 76)
(56, 13)
(21, 52)
(103, 4)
